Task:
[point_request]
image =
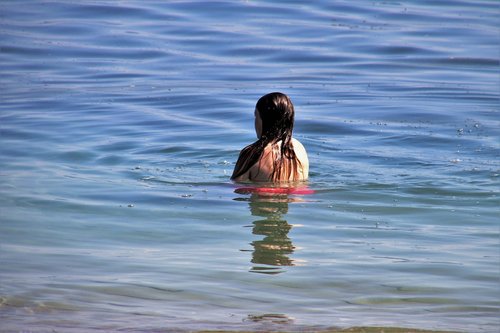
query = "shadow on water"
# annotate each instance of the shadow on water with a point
(271, 253)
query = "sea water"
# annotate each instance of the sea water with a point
(121, 122)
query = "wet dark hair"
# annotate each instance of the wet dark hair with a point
(277, 114)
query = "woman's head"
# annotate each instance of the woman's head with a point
(274, 117)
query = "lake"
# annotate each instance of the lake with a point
(120, 124)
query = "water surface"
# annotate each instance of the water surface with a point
(120, 124)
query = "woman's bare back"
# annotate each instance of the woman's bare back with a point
(262, 170)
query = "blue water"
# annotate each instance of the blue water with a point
(121, 122)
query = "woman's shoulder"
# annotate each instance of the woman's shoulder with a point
(299, 149)
(297, 145)
(301, 154)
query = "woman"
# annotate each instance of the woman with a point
(275, 156)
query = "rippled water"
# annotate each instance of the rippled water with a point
(120, 124)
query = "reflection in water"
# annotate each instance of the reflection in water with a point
(274, 318)
(274, 249)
